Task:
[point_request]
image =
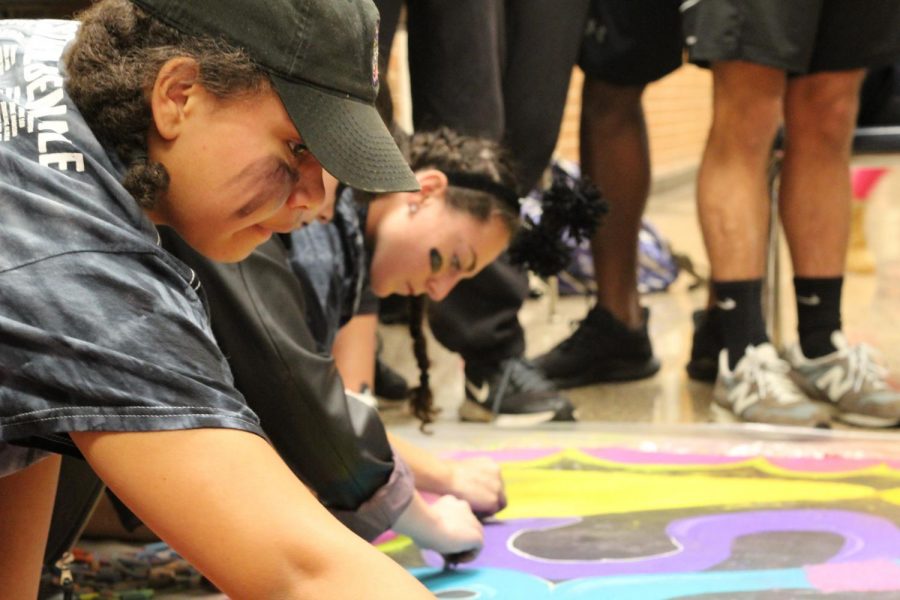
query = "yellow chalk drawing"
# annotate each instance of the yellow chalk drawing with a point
(536, 490)
(892, 496)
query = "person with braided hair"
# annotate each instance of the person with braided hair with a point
(419, 245)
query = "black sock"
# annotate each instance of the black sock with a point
(818, 313)
(741, 318)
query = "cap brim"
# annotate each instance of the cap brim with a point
(348, 138)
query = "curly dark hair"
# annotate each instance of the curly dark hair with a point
(112, 66)
(448, 151)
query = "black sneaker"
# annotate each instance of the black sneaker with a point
(601, 349)
(389, 384)
(706, 345)
(514, 394)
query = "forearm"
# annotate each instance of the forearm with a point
(233, 494)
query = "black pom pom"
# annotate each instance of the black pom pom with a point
(572, 206)
(539, 250)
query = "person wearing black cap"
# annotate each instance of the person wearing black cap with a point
(215, 118)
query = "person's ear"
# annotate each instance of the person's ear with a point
(433, 183)
(171, 97)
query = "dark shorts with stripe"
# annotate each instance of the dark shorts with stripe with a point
(797, 36)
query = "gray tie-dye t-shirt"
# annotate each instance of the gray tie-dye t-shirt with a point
(100, 329)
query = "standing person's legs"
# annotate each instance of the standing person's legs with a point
(611, 343)
(751, 44)
(455, 64)
(542, 42)
(26, 503)
(820, 116)
(752, 381)
(733, 198)
(627, 44)
(731, 185)
(616, 156)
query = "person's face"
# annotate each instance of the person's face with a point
(238, 169)
(423, 246)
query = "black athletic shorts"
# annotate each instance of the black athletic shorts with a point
(797, 36)
(631, 42)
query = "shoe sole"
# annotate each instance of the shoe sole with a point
(866, 420)
(856, 419)
(725, 415)
(618, 371)
(473, 412)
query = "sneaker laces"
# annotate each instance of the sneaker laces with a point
(864, 364)
(518, 373)
(762, 366)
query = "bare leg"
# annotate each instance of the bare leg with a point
(731, 187)
(615, 155)
(225, 501)
(26, 503)
(820, 116)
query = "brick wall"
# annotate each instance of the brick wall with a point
(678, 110)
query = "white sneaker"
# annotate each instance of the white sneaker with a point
(853, 379)
(761, 390)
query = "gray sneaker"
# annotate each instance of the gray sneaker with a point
(761, 390)
(852, 379)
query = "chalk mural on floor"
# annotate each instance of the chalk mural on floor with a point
(619, 523)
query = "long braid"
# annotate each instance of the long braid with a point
(421, 399)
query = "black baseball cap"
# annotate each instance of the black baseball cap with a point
(322, 58)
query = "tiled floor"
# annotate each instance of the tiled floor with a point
(670, 400)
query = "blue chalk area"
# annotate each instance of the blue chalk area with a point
(502, 584)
